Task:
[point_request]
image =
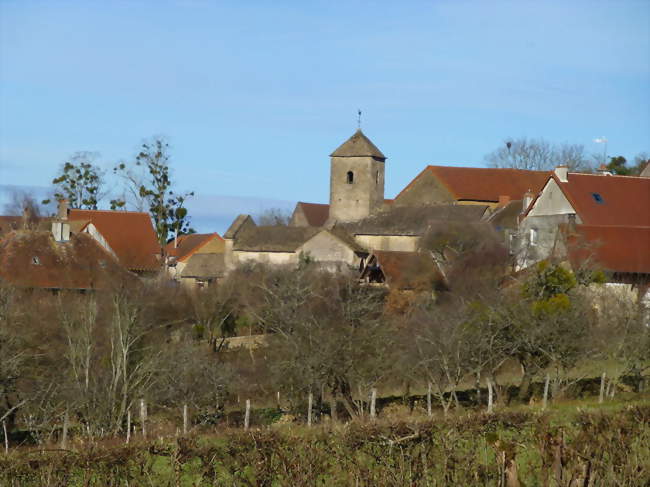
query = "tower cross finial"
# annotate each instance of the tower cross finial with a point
(359, 118)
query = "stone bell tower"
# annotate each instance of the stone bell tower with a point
(356, 179)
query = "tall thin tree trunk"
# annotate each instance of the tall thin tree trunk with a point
(546, 384)
(601, 397)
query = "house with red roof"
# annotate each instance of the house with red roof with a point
(494, 187)
(195, 259)
(128, 235)
(56, 259)
(590, 219)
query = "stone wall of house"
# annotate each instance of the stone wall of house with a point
(298, 218)
(274, 258)
(404, 243)
(327, 249)
(425, 190)
(539, 238)
(363, 196)
(551, 202)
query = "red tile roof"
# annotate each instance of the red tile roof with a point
(316, 214)
(484, 184)
(614, 248)
(187, 245)
(33, 259)
(624, 200)
(130, 234)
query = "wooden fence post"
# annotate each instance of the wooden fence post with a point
(310, 402)
(373, 403)
(247, 416)
(143, 417)
(546, 383)
(490, 396)
(429, 409)
(602, 388)
(64, 435)
(4, 430)
(128, 425)
(185, 419)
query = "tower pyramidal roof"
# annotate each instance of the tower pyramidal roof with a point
(358, 146)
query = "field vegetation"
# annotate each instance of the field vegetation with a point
(137, 384)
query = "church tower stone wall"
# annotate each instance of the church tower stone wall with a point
(356, 179)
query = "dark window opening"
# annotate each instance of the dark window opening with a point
(36, 261)
(597, 198)
(377, 177)
(350, 177)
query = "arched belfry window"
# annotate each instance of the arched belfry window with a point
(350, 179)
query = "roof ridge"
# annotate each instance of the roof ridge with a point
(113, 211)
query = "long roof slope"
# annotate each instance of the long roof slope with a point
(186, 245)
(484, 184)
(130, 234)
(615, 248)
(33, 259)
(608, 200)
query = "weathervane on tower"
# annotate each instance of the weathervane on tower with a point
(359, 118)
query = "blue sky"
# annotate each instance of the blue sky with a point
(254, 95)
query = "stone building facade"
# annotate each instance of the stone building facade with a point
(356, 179)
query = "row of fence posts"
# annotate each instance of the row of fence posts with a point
(604, 392)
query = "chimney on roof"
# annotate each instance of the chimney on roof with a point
(527, 200)
(60, 224)
(562, 173)
(503, 200)
(62, 209)
(603, 171)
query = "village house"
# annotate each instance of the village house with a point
(196, 260)
(332, 248)
(128, 235)
(57, 259)
(596, 219)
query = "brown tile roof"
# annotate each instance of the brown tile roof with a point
(33, 259)
(130, 235)
(316, 214)
(273, 238)
(608, 200)
(205, 266)
(358, 146)
(615, 248)
(484, 184)
(416, 220)
(406, 270)
(187, 245)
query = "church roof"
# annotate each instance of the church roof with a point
(358, 146)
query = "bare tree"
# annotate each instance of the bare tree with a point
(274, 216)
(538, 155)
(329, 335)
(24, 205)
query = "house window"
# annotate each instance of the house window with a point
(350, 179)
(532, 237)
(36, 261)
(598, 198)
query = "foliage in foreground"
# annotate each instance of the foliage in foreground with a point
(594, 448)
